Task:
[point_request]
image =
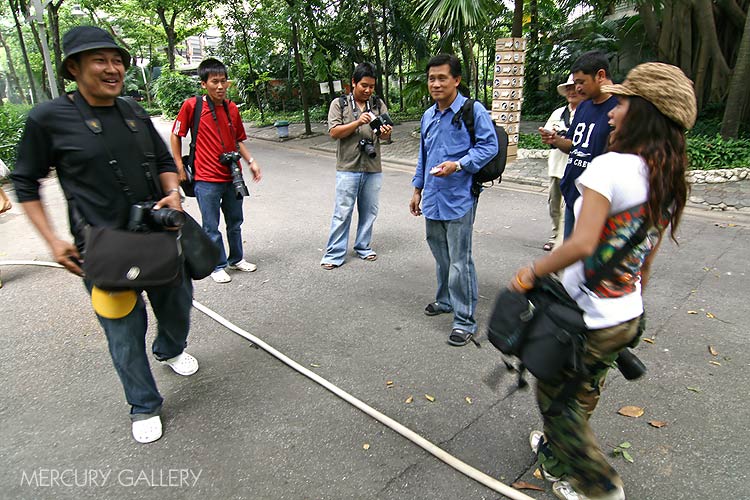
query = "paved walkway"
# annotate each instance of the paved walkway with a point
(530, 171)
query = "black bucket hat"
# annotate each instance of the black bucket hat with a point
(83, 38)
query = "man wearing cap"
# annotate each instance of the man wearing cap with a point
(94, 172)
(587, 136)
(559, 122)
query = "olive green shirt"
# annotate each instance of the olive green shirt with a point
(349, 157)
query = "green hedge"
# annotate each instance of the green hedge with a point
(171, 89)
(709, 153)
(12, 119)
(704, 152)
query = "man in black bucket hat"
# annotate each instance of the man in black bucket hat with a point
(104, 149)
(83, 38)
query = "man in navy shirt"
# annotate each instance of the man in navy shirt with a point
(443, 186)
(587, 136)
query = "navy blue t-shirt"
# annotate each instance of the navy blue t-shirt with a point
(589, 132)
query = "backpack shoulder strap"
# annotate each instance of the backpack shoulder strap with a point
(566, 117)
(194, 129)
(466, 113)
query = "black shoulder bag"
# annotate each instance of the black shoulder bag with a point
(116, 259)
(544, 328)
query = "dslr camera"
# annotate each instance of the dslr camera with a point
(143, 217)
(379, 121)
(231, 161)
(368, 147)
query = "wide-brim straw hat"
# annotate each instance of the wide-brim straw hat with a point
(83, 38)
(562, 89)
(663, 85)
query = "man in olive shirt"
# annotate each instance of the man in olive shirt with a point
(358, 169)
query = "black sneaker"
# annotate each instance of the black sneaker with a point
(433, 309)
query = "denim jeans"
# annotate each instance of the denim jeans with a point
(457, 289)
(364, 189)
(127, 341)
(570, 221)
(213, 196)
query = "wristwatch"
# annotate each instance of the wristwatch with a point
(175, 190)
(458, 166)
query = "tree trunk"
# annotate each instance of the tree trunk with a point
(300, 74)
(12, 70)
(24, 53)
(169, 32)
(517, 28)
(54, 34)
(467, 52)
(376, 45)
(386, 54)
(737, 100)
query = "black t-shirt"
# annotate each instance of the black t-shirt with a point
(56, 136)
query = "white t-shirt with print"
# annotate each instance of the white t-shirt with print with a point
(623, 180)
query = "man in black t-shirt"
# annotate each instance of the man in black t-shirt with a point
(94, 170)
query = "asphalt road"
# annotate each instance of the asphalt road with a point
(248, 427)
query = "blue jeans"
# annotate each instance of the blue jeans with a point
(364, 189)
(457, 289)
(127, 341)
(570, 221)
(213, 196)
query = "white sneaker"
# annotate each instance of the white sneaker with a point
(221, 276)
(183, 364)
(534, 439)
(565, 491)
(147, 430)
(244, 266)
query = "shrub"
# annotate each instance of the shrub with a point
(171, 89)
(708, 153)
(531, 141)
(12, 119)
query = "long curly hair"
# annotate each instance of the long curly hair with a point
(646, 132)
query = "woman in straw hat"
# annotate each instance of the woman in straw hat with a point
(639, 182)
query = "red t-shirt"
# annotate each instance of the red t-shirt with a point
(208, 147)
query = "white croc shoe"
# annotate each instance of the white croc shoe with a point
(565, 491)
(221, 276)
(147, 430)
(244, 266)
(184, 364)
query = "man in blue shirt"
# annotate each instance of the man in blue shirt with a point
(588, 134)
(443, 186)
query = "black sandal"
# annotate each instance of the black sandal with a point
(459, 337)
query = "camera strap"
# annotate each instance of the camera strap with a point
(212, 107)
(128, 112)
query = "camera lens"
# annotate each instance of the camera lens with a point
(168, 217)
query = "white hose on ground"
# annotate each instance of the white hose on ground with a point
(409, 434)
(412, 436)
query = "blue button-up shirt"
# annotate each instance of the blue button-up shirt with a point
(449, 198)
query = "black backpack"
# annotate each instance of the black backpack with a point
(493, 170)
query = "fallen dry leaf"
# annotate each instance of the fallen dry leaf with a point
(713, 351)
(657, 423)
(315, 365)
(523, 485)
(537, 474)
(631, 411)
(692, 312)
(429, 398)
(389, 383)
(694, 389)
(468, 399)
(650, 341)
(409, 400)
(710, 315)
(366, 446)
(716, 363)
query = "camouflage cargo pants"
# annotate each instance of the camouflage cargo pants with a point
(570, 449)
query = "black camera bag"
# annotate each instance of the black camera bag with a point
(544, 328)
(117, 260)
(201, 254)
